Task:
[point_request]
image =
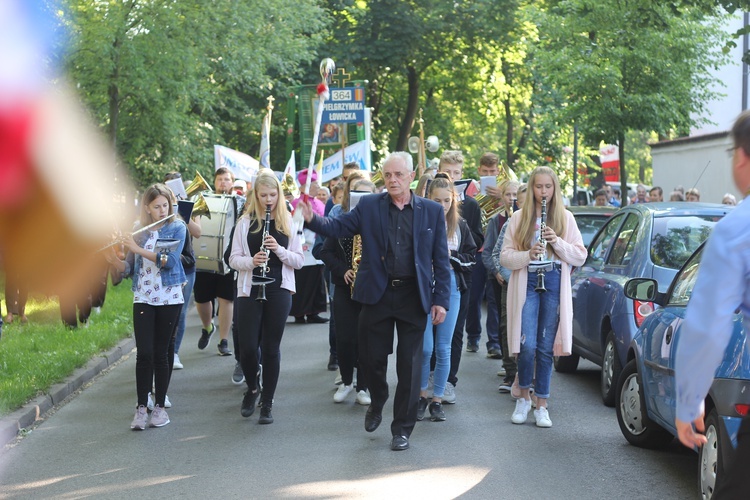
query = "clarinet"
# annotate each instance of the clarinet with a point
(263, 280)
(542, 226)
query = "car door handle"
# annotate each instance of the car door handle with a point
(669, 334)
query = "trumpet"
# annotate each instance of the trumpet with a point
(121, 239)
(262, 280)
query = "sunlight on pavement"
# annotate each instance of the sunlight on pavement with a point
(442, 482)
(98, 491)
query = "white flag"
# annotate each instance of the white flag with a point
(243, 166)
(291, 167)
(265, 142)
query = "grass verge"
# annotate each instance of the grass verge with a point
(43, 352)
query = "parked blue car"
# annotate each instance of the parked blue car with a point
(651, 240)
(646, 392)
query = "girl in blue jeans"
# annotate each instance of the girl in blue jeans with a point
(540, 323)
(462, 250)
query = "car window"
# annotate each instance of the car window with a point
(624, 246)
(600, 245)
(675, 238)
(588, 225)
(685, 281)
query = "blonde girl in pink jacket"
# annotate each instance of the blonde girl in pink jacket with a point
(540, 323)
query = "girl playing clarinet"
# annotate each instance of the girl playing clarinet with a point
(275, 246)
(536, 330)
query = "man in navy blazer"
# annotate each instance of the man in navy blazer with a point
(403, 280)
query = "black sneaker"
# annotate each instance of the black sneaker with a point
(436, 412)
(495, 353)
(265, 414)
(472, 347)
(422, 408)
(333, 363)
(224, 348)
(205, 337)
(248, 404)
(506, 385)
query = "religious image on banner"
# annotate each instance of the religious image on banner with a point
(330, 133)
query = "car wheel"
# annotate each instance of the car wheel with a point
(710, 463)
(611, 369)
(632, 417)
(567, 364)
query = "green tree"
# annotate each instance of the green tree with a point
(168, 80)
(628, 65)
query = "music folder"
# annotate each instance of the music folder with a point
(355, 196)
(185, 209)
(167, 244)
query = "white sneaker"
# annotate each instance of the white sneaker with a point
(521, 412)
(501, 372)
(342, 392)
(363, 398)
(449, 396)
(159, 417)
(542, 417)
(167, 402)
(139, 420)
(177, 364)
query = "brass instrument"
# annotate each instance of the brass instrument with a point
(201, 207)
(356, 256)
(487, 203)
(121, 239)
(198, 185)
(377, 179)
(540, 270)
(262, 280)
(289, 186)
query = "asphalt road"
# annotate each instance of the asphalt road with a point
(319, 449)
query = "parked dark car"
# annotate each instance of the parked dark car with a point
(590, 219)
(646, 391)
(650, 240)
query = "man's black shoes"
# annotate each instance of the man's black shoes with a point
(399, 443)
(372, 419)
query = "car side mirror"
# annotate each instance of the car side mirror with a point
(643, 289)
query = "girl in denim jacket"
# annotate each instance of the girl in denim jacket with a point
(153, 261)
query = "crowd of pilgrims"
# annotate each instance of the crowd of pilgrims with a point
(492, 255)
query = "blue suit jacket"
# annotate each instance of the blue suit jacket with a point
(370, 219)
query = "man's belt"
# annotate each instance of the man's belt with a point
(401, 282)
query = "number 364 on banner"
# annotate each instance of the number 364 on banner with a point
(346, 105)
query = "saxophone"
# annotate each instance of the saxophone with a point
(356, 256)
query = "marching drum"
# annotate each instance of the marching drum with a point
(215, 233)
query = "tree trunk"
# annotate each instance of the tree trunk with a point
(113, 93)
(509, 154)
(411, 110)
(625, 199)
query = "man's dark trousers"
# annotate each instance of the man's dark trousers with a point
(399, 307)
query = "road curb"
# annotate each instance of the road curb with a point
(35, 410)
